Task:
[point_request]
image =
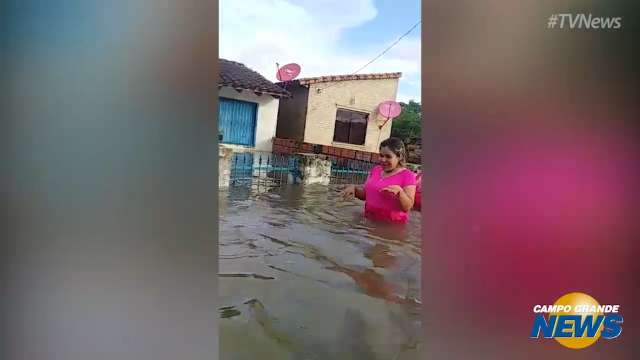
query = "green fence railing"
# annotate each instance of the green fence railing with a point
(264, 169)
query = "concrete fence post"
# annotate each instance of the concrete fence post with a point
(224, 166)
(314, 170)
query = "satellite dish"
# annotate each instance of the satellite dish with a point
(389, 109)
(288, 72)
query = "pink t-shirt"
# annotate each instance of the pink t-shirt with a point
(384, 206)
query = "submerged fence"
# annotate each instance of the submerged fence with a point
(264, 170)
(347, 171)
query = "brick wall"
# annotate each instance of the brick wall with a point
(288, 146)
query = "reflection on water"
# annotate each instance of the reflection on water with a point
(303, 276)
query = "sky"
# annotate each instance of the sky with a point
(326, 37)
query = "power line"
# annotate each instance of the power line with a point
(390, 46)
(384, 51)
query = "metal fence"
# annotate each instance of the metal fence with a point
(264, 170)
(347, 171)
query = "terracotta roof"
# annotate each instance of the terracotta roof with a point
(236, 75)
(331, 78)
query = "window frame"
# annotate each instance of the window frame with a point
(365, 117)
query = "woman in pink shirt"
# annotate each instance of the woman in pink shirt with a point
(390, 189)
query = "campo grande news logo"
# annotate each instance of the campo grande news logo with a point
(576, 321)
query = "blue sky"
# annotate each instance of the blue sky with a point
(325, 37)
(393, 19)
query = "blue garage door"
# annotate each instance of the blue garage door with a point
(237, 121)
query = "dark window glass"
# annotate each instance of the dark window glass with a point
(351, 127)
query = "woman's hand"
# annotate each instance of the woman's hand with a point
(393, 189)
(349, 192)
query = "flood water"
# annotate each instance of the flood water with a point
(303, 276)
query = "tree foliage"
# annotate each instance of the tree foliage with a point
(408, 125)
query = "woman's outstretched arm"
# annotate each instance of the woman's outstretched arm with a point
(354, 191)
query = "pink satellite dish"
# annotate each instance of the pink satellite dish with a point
(288, 72)
(389, 109)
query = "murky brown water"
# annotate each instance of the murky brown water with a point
(303, 276)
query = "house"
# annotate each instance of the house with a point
(338, 111)
(248, 107)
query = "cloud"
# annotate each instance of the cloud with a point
(260, 33)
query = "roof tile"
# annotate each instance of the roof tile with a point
(331, 78)
(236, 75)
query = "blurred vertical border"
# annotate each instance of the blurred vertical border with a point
(109, 179)
(531, 174)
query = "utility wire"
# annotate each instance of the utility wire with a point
(383, 52)
(390, 46)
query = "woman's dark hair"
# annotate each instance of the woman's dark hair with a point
(397, 147)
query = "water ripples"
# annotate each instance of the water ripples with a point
(294, 237)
